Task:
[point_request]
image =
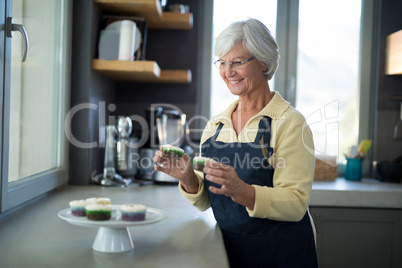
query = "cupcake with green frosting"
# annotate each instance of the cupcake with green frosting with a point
(172, 151)
(98, 212)
(199, 162)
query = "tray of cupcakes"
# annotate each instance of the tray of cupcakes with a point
(99, 211)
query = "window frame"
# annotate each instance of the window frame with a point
(18, 193)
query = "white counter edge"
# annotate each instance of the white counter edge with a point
(367, 193)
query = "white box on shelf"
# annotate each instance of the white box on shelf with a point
(119, 41)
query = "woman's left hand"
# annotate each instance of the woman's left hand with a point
(231, 185)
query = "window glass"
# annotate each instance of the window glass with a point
(35, 98)
(328, 72)
(226, 12)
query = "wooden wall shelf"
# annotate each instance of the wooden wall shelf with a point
(140, 71)
(393, 61)
(150, 10)
(144, 71)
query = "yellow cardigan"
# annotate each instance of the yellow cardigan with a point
(293, 160)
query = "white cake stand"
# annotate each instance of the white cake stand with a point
(113, 235)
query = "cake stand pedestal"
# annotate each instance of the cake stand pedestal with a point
(113, 235)
(112, 240)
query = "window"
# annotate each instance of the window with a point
(328, 72)
(226, 12)
(321, 71)
(34, 146)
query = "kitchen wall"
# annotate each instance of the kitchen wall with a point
(92, 93)
(87, 88)
(387, 111)
(180, 50)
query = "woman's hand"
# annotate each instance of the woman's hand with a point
(231, 185)
(181, 169)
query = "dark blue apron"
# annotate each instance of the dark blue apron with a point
(256, 242)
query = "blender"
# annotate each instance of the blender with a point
(172, 129)
(167, 126)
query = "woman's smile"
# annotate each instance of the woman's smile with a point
(235, 81)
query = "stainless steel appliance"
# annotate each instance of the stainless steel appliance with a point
(167, 126)
(172, 128)
(146, 164)
(126, 148)
(110, 177)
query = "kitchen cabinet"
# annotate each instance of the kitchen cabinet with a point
(144, 71)
(358, 223)
(358, 237)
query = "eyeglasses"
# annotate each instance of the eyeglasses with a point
(221, 64)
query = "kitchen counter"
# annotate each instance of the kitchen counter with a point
(36, 237)
(367, 193)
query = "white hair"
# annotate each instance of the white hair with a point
(255, 37)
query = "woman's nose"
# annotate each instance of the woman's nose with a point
(229, 71)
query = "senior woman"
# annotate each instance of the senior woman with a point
(259, 188)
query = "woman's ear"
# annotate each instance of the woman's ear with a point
(265, 68)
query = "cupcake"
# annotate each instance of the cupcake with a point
(199, 162)
(133, 212)
(98, 212)
(172, 151)
(99, 200)
(78, 207)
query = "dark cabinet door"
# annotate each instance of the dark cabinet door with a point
(351, 237)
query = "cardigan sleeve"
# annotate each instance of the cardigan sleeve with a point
(200, 199)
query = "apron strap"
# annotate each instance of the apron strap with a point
(264, 128)
(212, 138)
(218, 130)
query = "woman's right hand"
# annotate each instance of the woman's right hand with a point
(181, 169)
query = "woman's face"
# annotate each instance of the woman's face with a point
(245, 79)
